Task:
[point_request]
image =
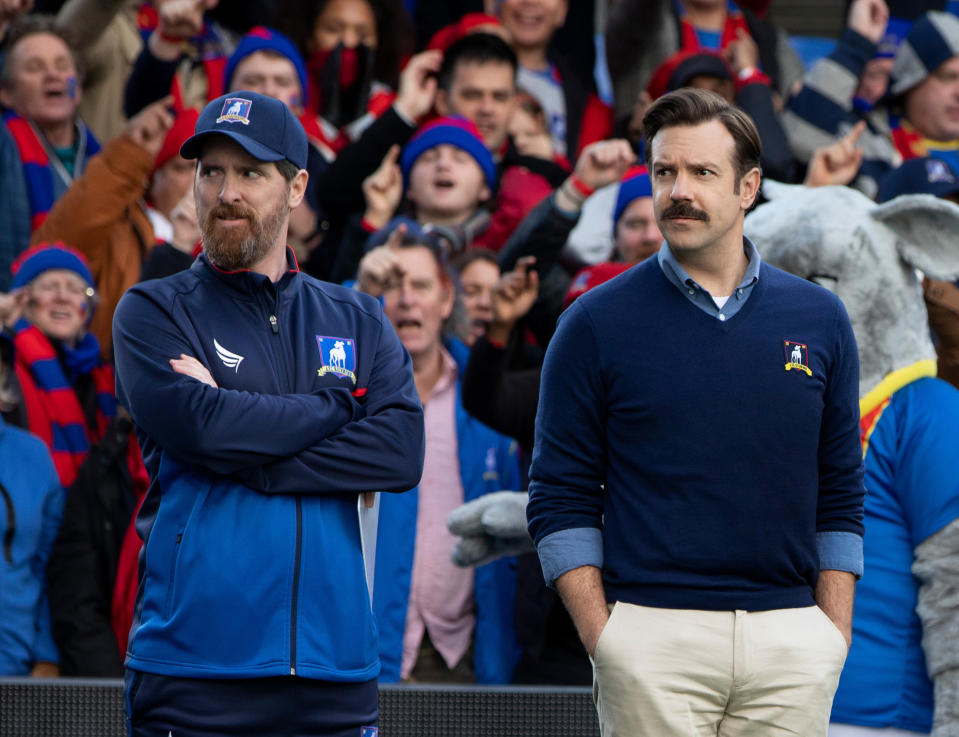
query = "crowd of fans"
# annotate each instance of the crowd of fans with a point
(465, 169)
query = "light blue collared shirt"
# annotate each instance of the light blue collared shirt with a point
(696, 294)
(565, 550)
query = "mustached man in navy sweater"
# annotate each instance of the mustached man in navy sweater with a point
(266, 403)
(696, 488)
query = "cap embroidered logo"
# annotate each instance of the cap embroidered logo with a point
(235, 110)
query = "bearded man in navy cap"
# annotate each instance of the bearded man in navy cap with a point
(267, 405)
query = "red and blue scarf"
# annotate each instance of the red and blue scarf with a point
(910, 144)
(37, 168)
(691, 41)
(53, 409)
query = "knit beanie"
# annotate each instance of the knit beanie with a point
(681, 67)
(45, 256)
(932, 40)
(182, 128)
(261, 38)
(469, 23)
(634, 184)
(455, 131)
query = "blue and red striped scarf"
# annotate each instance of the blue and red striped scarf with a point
(37, 169)
(693, 39)
(911, 144)
(53, 409)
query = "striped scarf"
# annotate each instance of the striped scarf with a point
(37, 164)
(330, 140)
(53, 409)
(910, 144)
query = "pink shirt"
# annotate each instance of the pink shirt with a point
(441, 594)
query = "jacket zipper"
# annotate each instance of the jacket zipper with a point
(274, 324)
(296, 586)
(275, 327)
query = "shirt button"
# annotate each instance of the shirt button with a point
(722, 317)
(692, 291)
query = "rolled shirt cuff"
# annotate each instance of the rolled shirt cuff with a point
(565, 550)
(840, 551)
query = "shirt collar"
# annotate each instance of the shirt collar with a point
(681, 278)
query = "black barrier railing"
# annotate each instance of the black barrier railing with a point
(68, 707)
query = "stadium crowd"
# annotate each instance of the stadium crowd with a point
(468, 169)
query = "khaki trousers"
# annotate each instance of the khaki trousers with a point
(689, 673)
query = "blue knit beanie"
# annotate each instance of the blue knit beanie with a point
(262, 38)
(455, 131)
(634, 184)
(45, 256)
(932, 40)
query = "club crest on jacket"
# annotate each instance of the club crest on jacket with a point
(338, 356)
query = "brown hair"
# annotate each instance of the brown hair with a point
(532, 107)
(474, 253)
(689, 106)
(31, 25)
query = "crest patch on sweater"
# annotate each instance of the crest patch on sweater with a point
(797, 357)
(338, 356)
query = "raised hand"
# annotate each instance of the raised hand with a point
(383, 190)
(869, 18)
(11, 306)
(180, 18)
(149, 127)
(380, 269)
(514, 295)
(604, 162)
(743, 53)
(10, 10)
(186, 229)
(838, 162)
(417, 89)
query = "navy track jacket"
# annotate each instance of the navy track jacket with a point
(252, 562)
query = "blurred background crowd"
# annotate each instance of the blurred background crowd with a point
(477, 164)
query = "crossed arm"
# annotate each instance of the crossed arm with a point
(322, 442)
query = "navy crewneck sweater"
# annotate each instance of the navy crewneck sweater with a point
(708, 453)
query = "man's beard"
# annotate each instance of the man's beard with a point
(228, 249)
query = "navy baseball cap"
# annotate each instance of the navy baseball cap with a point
(263, 126)
(924, 175)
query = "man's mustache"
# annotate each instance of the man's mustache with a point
(684, 210)
(229, 212)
